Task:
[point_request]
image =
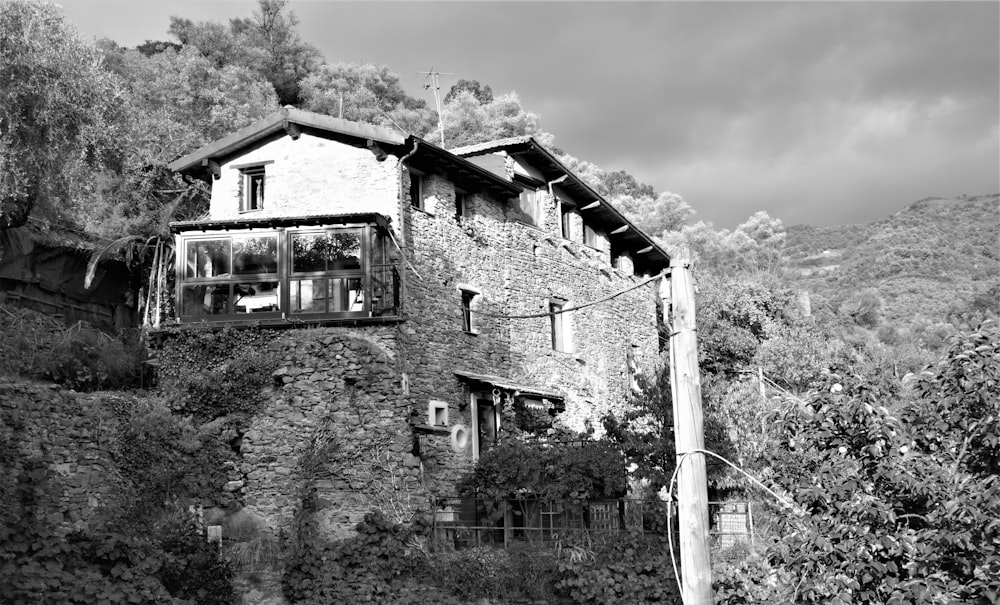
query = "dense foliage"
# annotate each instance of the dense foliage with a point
(78, 357)
(59, 112)
(889, 508)
(931, 263)
(162, 560)
(581, 470)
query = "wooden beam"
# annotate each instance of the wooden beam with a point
(292, 129)
(621, 229)
(213, 167)
(592, 205)
(689, 437)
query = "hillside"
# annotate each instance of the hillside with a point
(939, 256)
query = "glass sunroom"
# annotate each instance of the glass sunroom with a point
(303, 269)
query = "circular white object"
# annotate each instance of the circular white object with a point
(459, 438)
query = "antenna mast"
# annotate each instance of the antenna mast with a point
(431, 81)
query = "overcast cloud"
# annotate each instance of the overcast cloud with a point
(819, 113)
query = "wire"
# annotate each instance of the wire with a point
(574, 307)
(670, 492)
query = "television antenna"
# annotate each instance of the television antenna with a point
(432, 81)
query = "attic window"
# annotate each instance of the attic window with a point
(529, 207)
(251, 188)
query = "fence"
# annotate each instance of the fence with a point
(464, 522)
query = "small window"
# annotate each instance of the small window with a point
(437, 413)
(468, 303)
(416, 189)
(251, 188)
(561, 340)
(460, 204)
(529, 208)
(590, 236)
(565, 220)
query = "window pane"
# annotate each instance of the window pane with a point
(255, 254)
(527, 210)
(378, 243)
(257, 297)
(385, 291)
(207, 258)
(336, 251)
(308, 296)
(346, 295)
(327, 295)
(205, 300)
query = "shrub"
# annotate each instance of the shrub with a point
(378, 565)
(79, 357)
(628, 568)
(168, 562)
(164, 457)
(478, 572)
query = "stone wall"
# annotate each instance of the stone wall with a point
(516, 269)
(337, 423)
(67, 434)
(307, 176)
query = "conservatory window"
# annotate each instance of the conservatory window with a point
(313, 273)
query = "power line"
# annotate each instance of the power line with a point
(573, 308)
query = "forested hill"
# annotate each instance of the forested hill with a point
(937, 258)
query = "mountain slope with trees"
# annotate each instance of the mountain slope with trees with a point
(937, 260)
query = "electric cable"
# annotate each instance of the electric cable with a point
(670, 493)
(574, 307)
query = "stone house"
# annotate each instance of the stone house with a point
(427, 303)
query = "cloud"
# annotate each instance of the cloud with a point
(827, 111)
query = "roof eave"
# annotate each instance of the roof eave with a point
(281, 121)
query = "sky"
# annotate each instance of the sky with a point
(819, 113)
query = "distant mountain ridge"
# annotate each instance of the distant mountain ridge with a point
(926, 261)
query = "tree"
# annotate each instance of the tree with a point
(467, 121)
(666, 212)
(266, 43)
(483, 93)
(364, 92)
(754, 246)
(59, 112)
(174, 102)
(620, 182)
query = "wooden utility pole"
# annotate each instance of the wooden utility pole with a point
(689, 436)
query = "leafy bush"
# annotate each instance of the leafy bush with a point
(629, 568)
(79, 356)
(376, 566)
(168, 562)
(214, 373)
(473, 573)
(894, 509)
(587, 470)
(164, 457)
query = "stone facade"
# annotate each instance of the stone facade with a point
(364, 393)
(306, 176)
